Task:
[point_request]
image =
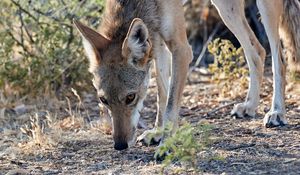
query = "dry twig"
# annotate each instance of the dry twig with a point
(221, 107)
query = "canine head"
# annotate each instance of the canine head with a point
(121, 76)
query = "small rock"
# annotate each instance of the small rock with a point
(21, 109)
(98, 166)
(9, 112)
(18, 172)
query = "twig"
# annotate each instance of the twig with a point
(184, 1)
(25, 11)
(221, 107)
(52, 17)
(71, 38)
(241, 146)
(21, 28)
(63, 2)
(204, 48)
(213, 33)
(24, 26)
(19, 43)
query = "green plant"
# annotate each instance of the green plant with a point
(183, 146)
(229, 65)
(39, 49)
(295, 76)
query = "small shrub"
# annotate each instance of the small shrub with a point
(35, 134)
(39, 47)
(295, 76)
(183, 146)
(229, 65)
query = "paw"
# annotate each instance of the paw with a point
(161, 156)
(274, 119)
(150, 137)
(161, 152)
(242, 110)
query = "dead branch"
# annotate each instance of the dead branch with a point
(211, 36)
(221, 107)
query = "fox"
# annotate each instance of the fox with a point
(281, 20)
(132, 35)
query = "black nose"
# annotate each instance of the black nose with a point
(121, 146)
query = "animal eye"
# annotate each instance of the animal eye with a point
(129, 99)
(103, 100)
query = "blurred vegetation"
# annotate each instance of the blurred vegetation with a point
(40, 50)
(295, 76)
(229, 65)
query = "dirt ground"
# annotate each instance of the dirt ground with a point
(70, 138)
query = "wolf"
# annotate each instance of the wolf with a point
(133, 34)
(281, 20)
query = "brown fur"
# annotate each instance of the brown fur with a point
(120, 13)
(290, 33)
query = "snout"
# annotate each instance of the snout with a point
(121, 146)
(124, 129)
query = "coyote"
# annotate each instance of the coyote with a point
(135, 32)
(281, 19)
(132, 34)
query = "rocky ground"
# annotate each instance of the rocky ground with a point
(70, 138)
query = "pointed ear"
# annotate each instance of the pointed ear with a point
(93, 42)
(136, 46)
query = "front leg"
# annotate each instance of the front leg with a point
(162, 68)
(169, 90)
(182, 55)
(169, 103)
(173, 32)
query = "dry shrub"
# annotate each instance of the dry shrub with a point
(229, 69)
